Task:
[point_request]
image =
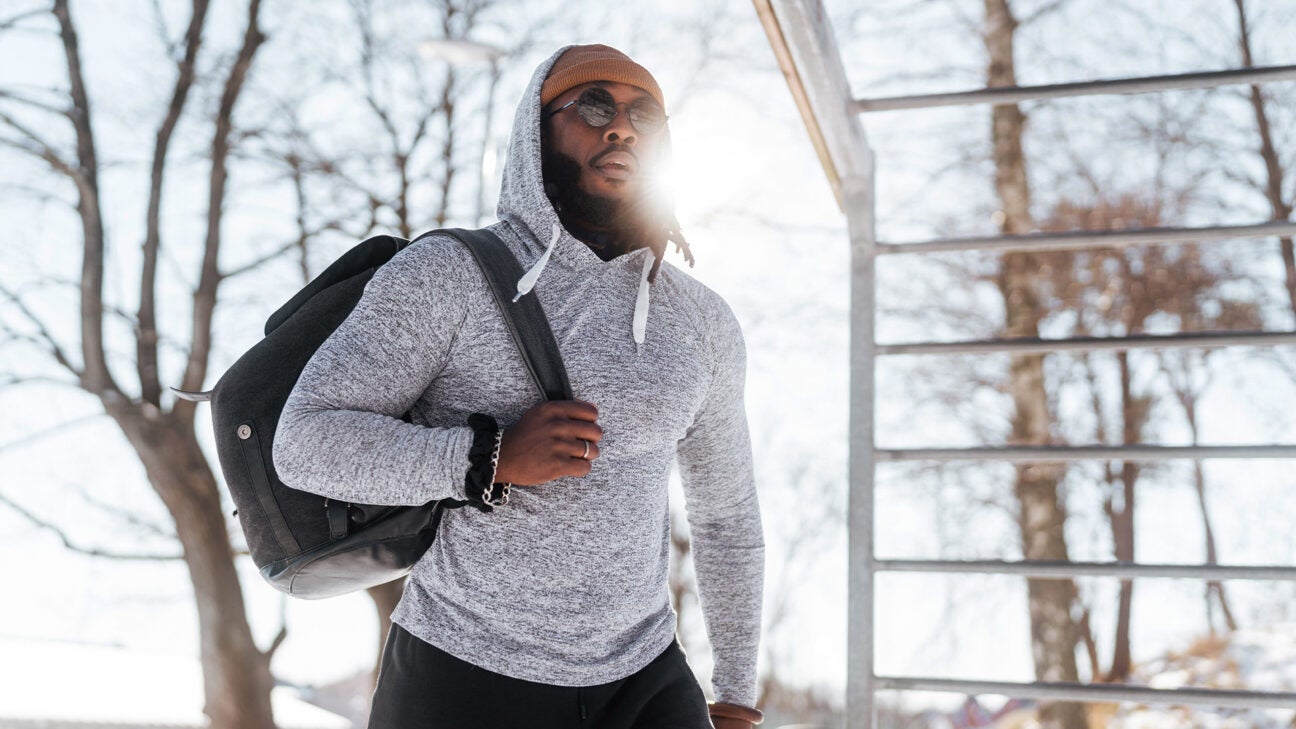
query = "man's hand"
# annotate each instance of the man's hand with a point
(547, 443)
(733, 716)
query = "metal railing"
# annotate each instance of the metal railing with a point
(1086, 239)
(802, 39)
(1140, 85)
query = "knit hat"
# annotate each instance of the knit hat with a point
(596, 62)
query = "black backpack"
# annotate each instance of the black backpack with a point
(308, 545)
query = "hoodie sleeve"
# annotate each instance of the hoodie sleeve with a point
(340, 434)
(715, 459)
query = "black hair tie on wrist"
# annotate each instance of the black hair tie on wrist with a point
(478, 481)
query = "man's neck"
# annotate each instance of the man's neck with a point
(606, 244)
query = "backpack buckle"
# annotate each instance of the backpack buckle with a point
(336, 511)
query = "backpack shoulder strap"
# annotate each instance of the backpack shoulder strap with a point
(525, 319)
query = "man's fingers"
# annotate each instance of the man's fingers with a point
(579, 450)
(573, 429)
(577, 409)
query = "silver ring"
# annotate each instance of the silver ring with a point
(586, 455)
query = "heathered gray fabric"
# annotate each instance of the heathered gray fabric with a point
(567, 584)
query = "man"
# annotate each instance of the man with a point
(547, 605)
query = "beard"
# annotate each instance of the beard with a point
(562, 175)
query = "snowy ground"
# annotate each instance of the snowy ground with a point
(1246, 659)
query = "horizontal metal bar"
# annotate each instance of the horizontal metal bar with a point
(1085, 239)
(1136, 85)
(1097, 693)
(1066, 570)
(1037, 345)
(1046, 454)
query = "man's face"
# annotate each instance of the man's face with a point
(616, 162)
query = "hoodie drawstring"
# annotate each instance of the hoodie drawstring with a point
(528, 280)
(640, 324)
(641, 302)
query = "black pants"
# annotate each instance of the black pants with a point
(422, 687)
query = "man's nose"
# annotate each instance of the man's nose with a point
(620, 129)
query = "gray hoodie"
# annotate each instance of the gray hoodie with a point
(567, 583)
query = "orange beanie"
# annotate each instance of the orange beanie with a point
(584, 64)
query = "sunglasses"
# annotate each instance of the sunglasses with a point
(597, 107)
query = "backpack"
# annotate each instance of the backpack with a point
(304, 544)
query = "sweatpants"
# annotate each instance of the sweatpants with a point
(422, 687)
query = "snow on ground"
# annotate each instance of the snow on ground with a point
(53, 683)
(1247, 659)
(1252, 660)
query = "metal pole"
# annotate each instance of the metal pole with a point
(1099, 693)
(861, 711)
(1039, 345)
(1075, 240)
(804, 45)
(1053, 570)
(1017, 94)
(1061, 453)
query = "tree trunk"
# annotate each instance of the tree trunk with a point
(236, 674)
(1122, 525)
(1043, 514)
(1213, 587)
(1274, 171)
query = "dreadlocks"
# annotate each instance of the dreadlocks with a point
(672, 235)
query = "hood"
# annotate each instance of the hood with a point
(524, 206)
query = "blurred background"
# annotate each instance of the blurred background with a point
(172, 172)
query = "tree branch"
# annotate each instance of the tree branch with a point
(278, 641)
(62, 111)
(96, 377)
(256, 262)
(146, 344)
(42, 196)
(209, 279)
(11, 379)
(164, 34)
(123, 514)
(41, 149)
(54, 349)
(15, 20)
(1043, 11)
(31, 437)
(89, 551)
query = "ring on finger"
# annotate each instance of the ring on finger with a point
(585, 455)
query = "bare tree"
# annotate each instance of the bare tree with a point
(1276, 179)
(1189, 375)
(236, 671)
(1043, 514)
(1126, 290)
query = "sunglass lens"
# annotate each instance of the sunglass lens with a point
(596, 107)
(646, 116)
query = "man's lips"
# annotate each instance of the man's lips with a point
(616, 164)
